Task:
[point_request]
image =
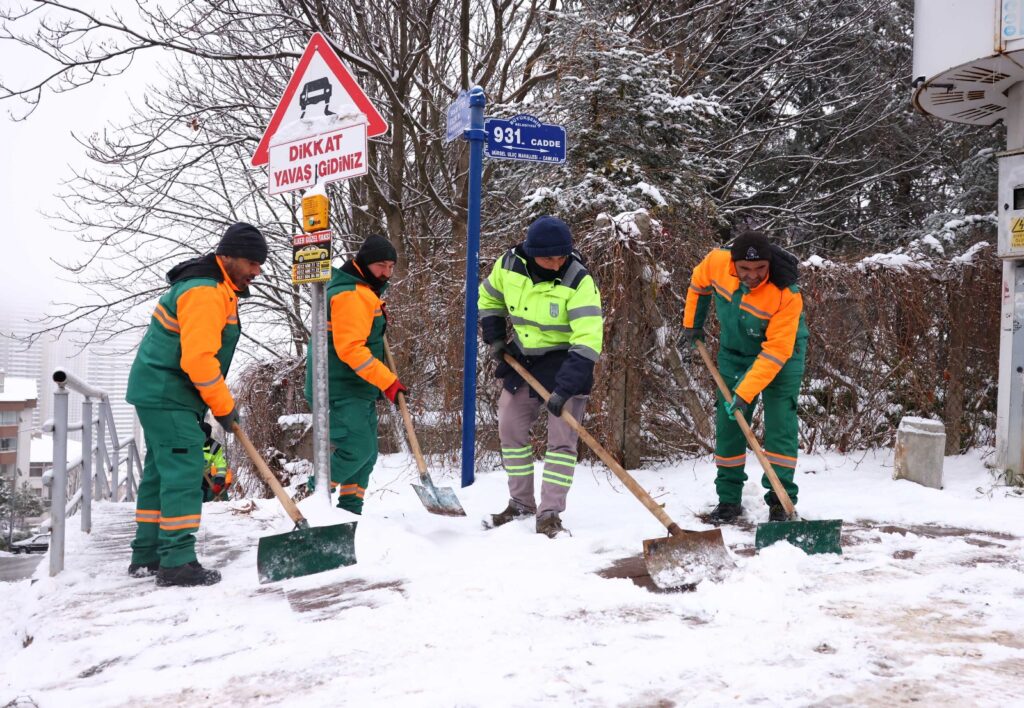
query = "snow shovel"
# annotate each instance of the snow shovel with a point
(809, 536)
(683, 557)
(305, 550)
(437, 500)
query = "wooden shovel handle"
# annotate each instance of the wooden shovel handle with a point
(777, 487)
(620, 472)
(414, 442)
(269, 478)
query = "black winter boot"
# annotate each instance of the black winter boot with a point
(512, 512)
(777, 512)
(726, 513)
(143, 570)
(550, 525)
(187, 575)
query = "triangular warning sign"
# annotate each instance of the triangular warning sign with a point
(320, 81)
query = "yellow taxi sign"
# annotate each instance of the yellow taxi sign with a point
(311, 257)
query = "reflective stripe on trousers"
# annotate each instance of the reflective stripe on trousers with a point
(516, 414)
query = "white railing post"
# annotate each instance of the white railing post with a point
(59, 485)
(130, 472)
(87, 464)
(102, 460)
(108, 414)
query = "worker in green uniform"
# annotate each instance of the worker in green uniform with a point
(762, 347)
(544, 289)
(178, 373)
(356, 373)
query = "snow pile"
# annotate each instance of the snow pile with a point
(925, 606)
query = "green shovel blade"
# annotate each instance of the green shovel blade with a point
(809, 536)
(305, 552)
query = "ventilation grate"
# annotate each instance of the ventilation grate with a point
(980, 112)
(975, 95)
(980, 75)
(942, 99)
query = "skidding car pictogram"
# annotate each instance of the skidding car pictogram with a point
(316, 91)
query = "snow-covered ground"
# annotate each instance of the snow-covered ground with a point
(925, 606)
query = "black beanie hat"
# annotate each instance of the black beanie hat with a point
(751, 246)
(548, 236)
(243, 241)
(374, 250)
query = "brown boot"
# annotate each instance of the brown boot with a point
(550, 525)
(513, 511)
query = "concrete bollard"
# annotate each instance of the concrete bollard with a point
(920, 445)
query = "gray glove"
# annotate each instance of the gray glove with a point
(555, 404)
(498, 349)
(690, 336)
(228, 420)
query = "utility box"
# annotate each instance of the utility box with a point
(315, 212)
(920, 449)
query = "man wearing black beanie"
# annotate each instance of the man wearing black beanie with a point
(356, 373)
(762, 347)
(178, 374)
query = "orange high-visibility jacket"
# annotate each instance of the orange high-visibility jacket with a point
(763, 323)
(187, 349)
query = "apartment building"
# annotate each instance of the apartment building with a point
(18, 400)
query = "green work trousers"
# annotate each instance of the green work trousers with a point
(781, 427)
(354, 438)
(170, 496)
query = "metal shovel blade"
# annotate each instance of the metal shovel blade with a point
(438, 500)
(687, 558)
(305, 552)
(809, 536)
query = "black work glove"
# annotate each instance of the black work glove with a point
(555, 404)
(690, 337)
(228, 420)
(738, 404)
(498, 349)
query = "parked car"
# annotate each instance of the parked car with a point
(33, 544)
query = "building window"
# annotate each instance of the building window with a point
(8, 417)
(5, 473)
(7, 444)
(36, 469)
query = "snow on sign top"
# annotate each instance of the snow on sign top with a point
(320, 86)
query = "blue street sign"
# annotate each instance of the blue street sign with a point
(458, 117)
(523, 137)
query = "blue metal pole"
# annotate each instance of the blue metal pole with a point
(476, 136)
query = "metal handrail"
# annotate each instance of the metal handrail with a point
(97, 466)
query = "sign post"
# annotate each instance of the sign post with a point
(317, 135)
(476, 136)
(522, 137)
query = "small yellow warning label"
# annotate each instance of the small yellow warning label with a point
(1017, 232)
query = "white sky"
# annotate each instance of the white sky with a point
(36, 157)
